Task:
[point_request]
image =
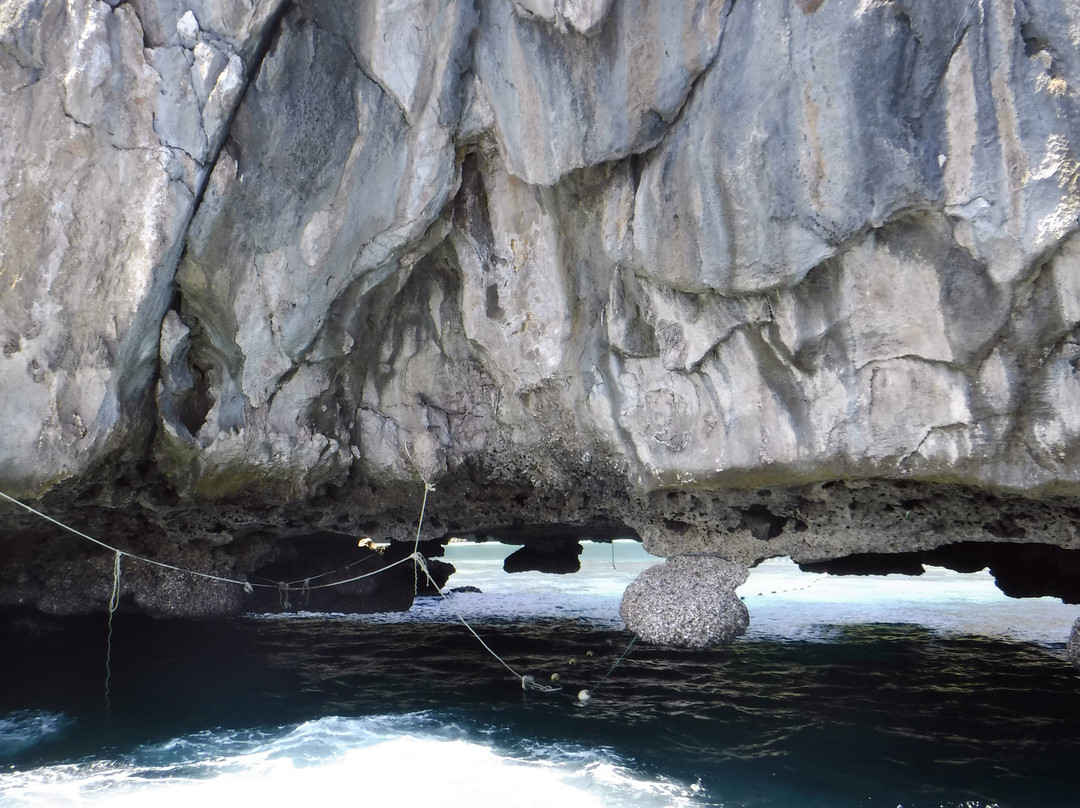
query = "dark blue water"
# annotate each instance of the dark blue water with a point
(414, 713)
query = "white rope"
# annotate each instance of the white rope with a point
(247, 585)
(527, 682)
(428, 488)
(311, 578)
(366, 574)
(55, 522)
(611, 670)
(114, 602)
(420, 563)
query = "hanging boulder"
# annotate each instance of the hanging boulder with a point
(687, 602)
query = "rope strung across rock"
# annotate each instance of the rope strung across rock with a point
(585, 695)
(247, 585)
(428, 488)
(527, 682)
(299, 582)
(371, 574)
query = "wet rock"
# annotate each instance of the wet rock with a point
(688, 601)
(557, 558)
(1029, 570)
(464, 590)
(440, 572)
(327, 572)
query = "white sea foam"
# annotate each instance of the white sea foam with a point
(786, 603)
(391, 760)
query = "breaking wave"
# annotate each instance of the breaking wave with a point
(414, 759)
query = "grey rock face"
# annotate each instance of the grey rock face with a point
(688, 601)
(302, 211)
(561, 100)
(106, 145)
(744, 279)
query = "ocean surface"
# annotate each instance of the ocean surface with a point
(885, 691)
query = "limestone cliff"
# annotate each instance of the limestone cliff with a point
(746, 278)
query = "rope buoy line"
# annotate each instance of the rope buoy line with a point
(299, 581)
(585, 695)
(611, 670)
(789, 589)
(528, 682)
(247, 585)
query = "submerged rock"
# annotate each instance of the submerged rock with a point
(688, 601)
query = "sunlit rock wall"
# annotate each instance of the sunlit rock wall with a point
(112, 119)
(665, 266)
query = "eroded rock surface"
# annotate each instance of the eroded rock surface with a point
(688, 601)
(743, 279)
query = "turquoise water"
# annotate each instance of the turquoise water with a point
(933, 691)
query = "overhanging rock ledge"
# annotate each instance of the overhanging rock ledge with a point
(739, 279)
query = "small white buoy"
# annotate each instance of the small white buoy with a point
(583, 696)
